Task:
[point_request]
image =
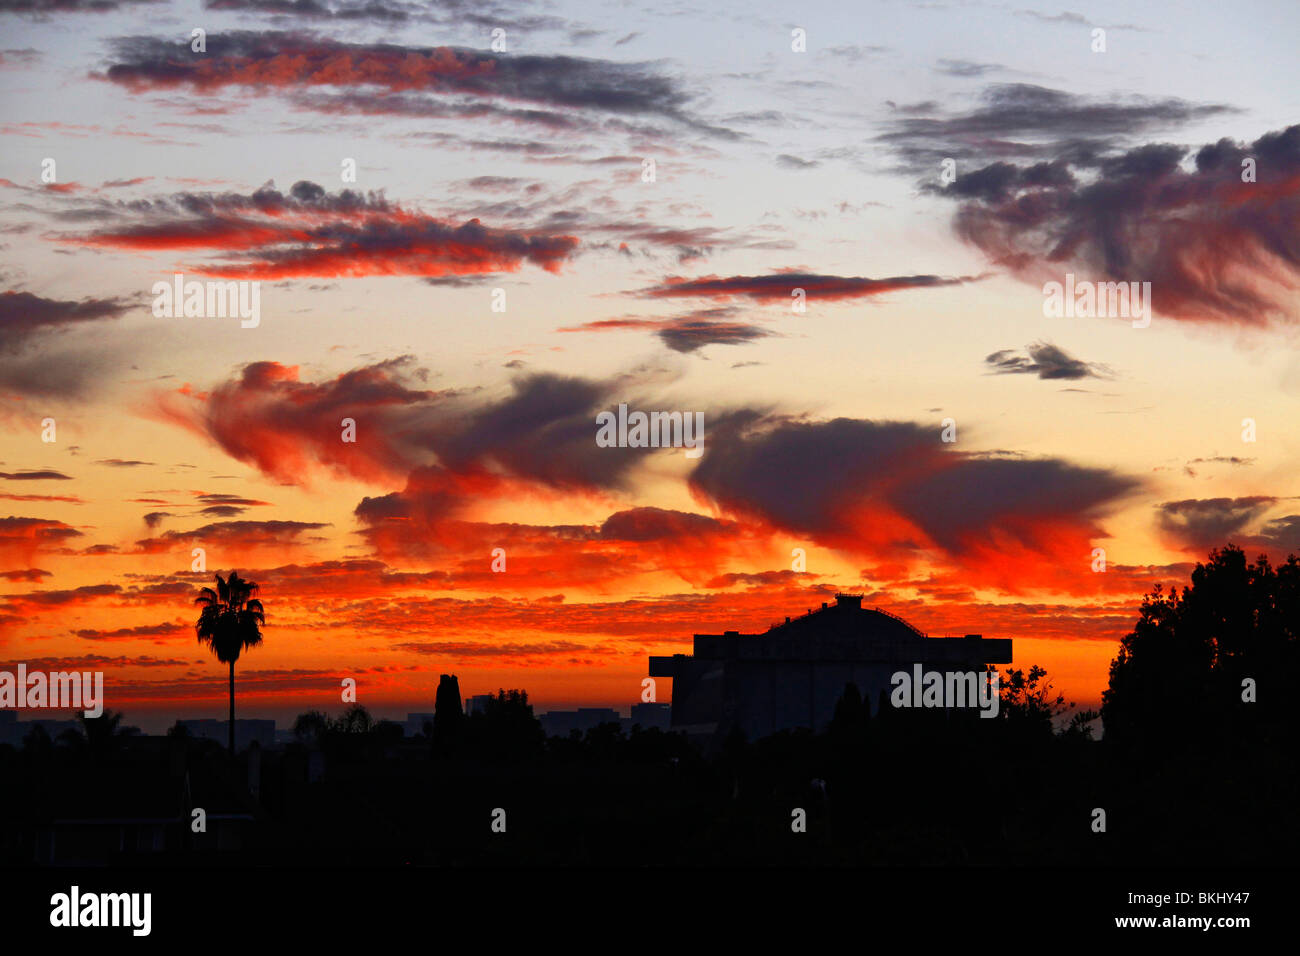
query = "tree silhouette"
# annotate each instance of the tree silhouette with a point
(448, 713)
(355, 720)
(506, 729)
(1184, 667)
(848, 728)
(1026, 701)
(311, 727)
(229, 624)
(37, 742)
(98, 735)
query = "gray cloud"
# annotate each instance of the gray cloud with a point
(1213, 247)
(1045, 360)
(1025, 121)
(270, 61)
(23, 316)
(1201, 523)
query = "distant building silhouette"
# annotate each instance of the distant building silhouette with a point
(793, 675)
(653, 716)
(413, 726)
(14, 731)
(448, 696)
(477, 702)
(558, 723)
(247, 732)
(449, 713)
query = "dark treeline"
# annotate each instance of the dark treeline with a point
(1197, 765)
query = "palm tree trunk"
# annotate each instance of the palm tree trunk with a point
(232, 708)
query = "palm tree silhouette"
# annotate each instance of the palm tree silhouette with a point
(230, 623)
(98, 735)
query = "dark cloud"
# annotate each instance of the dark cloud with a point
(1201, 523)
(875, 486)
(292, 61)
(967, 506)
(34, 476)
(21, 539)
(999, 181)
(138, 632)
(70, 373)
(1279, 534)
(41, 8)
(216, 498)
(235, 534)
(688, 333)
(38, 358)
(1213, 247)
(1024, 121)
(22, 58)
(458, 282)
(24, 316)
(794, 162)
(544, 430)
(781, 285)
(222, 511)
(80, 595)
(651, 524)
(377, 10)
(26, 574)
(1045, 360)
(540, 432)
(758, 579)
(510, 184)
(360, 103)
(965, 68)
(483, 13)
(1216, 460)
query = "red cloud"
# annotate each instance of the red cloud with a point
(311, 233)
(287, 61)
(22, 538)
(287, 428)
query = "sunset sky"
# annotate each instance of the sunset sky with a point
(525, 170)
